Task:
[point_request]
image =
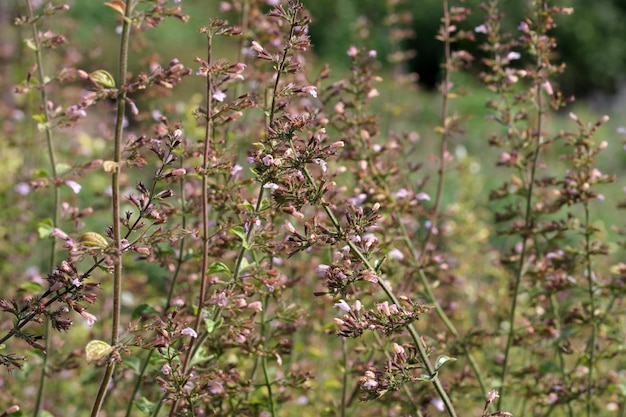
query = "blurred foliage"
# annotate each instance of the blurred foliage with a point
(590, 67)
(338, 24)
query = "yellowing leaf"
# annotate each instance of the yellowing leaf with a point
(110, 166)
(97, 349)
(117, 5)
(94, 240)
(103, 78)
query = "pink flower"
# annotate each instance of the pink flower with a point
(91, 319)
(219, 95)
(352, 51)
(188, 331)
(310, 89)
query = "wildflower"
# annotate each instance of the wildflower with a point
(322, 270)
(256, 305)
(396, 254)
(219, 95)
(422, 196)
(310, 89)
(271, 186)
(268, 160)
(166, 369)
(74, 186)
(352, 51)
(369, 380)
(91, 319)
(438, 403)
(548, 87)
(402, 193)
(343, 305)
(77, 283)
(56, 232)
(523, 27)
(372, 53)
(373, 93)
(22, 188)
(480, 29)
(321, 163)
(188, 331)
(513, 56)
(257, 46)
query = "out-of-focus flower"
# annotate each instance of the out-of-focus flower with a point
(188, 331)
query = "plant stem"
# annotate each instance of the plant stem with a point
(55, 195)
(268, 383)
(527, 225)
(392, 297)
(344, 385)
(115, 208)
(592, 307)
(204, 279)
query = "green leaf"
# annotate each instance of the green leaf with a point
(219, 267)
(41, 118)
(212, 325)
(41, 173)
(239, 232)
(31, 286)
(44, 228)
(143, 309)
(248, 205)
(245, 264)
(428, 378)
(41, 127)
(201, 356)
(63, 168)
(133, 363)
(30, 43)
(145, 406)
(441, 360)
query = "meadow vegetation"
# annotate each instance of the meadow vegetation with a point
(255, 232)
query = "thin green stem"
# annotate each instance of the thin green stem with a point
(344, 385)
(392, 297)
(268, 383)
(527, 225)
(208, 140)
(442, 314)
(592, 312)
(170, 294)
(115, 208)
(55, 195)
(554, 307)
(412, 331)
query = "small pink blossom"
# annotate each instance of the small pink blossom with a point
(91, 319)
(513, 56)
(74, 186)
(310, 89)
(188, 331)
(219, 95)
(343, 305)
(352, 51)
(480, 29)
(256, 305)
(257, 46)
